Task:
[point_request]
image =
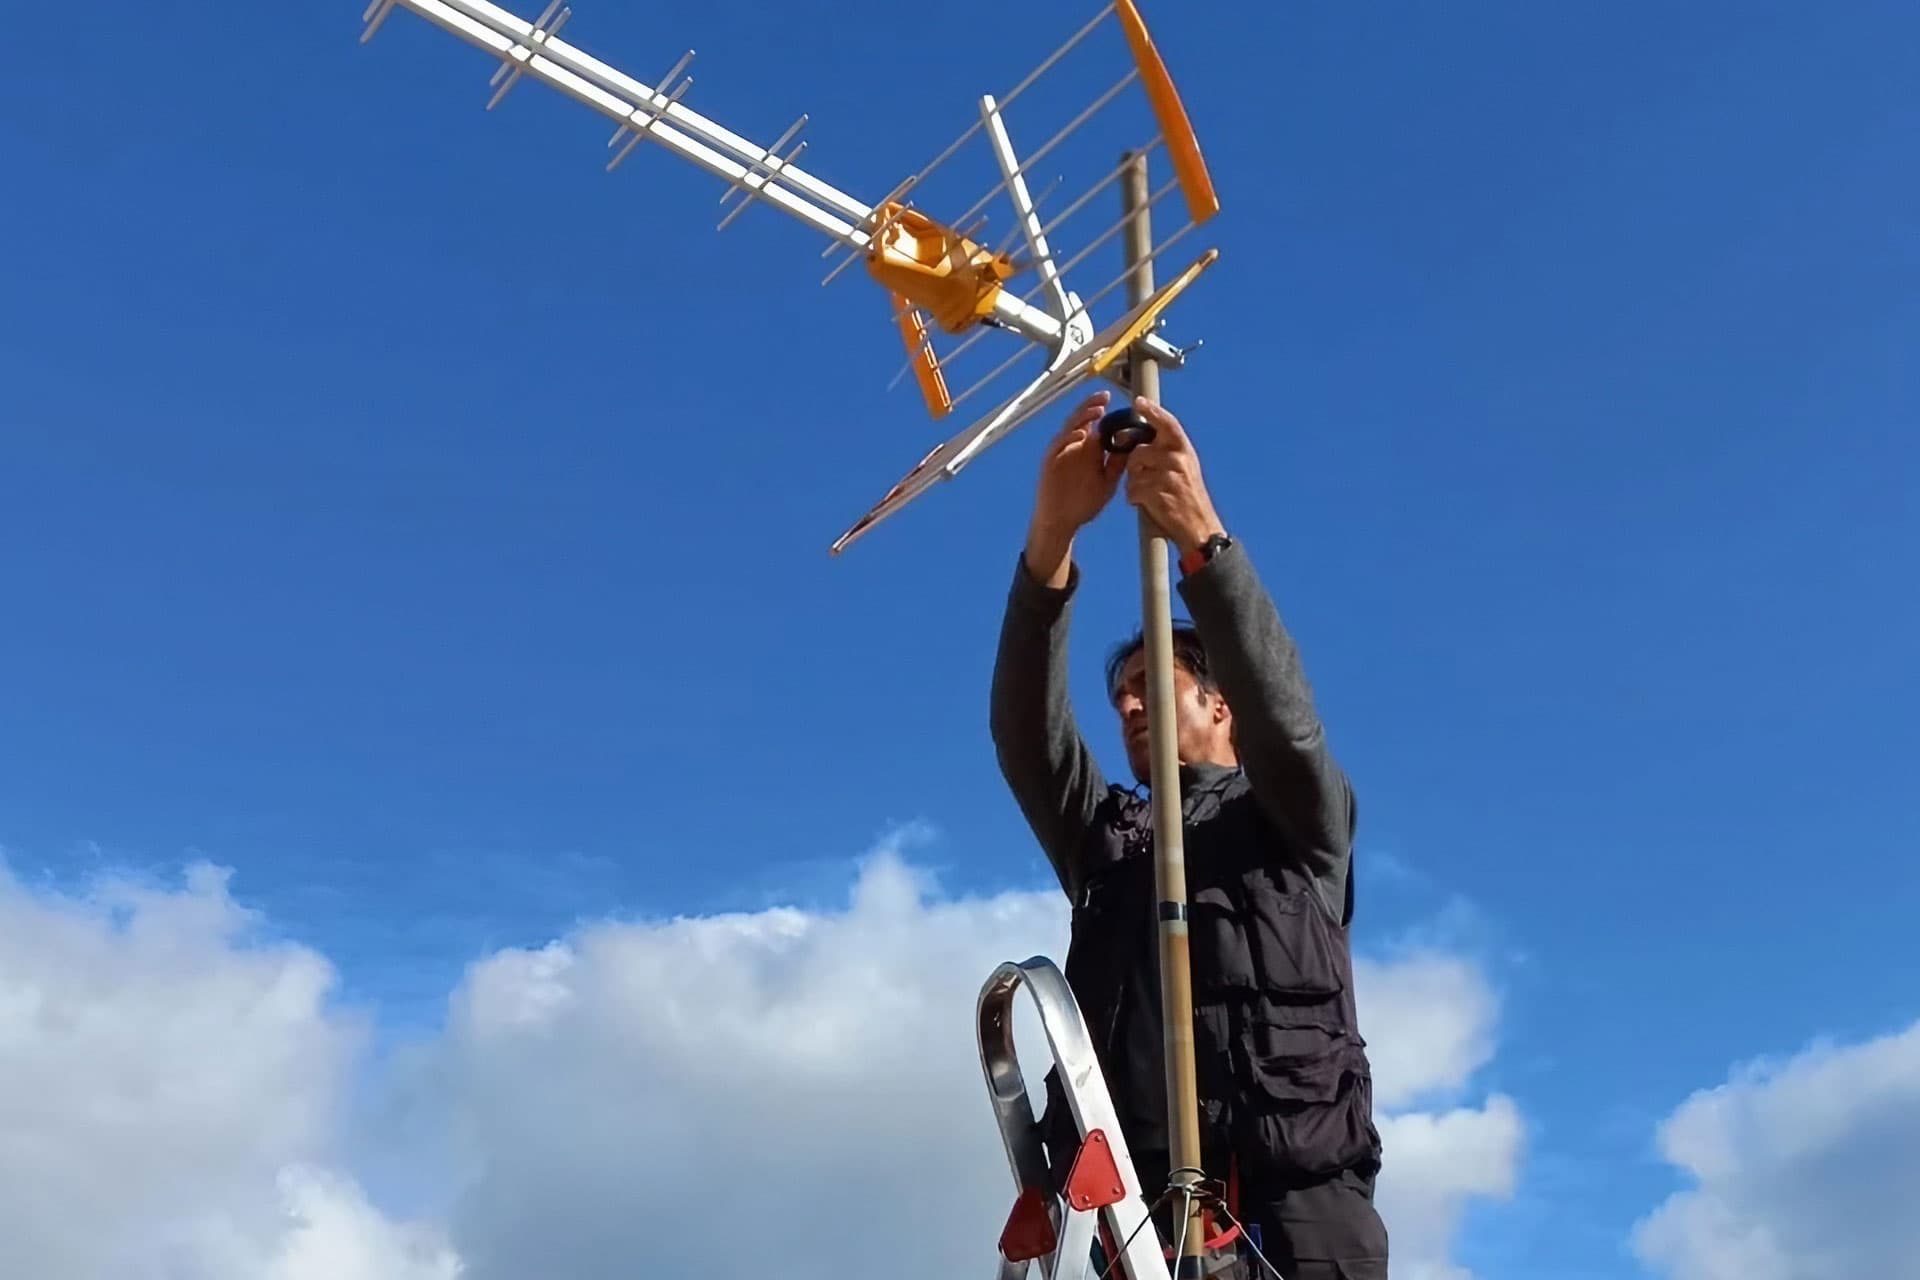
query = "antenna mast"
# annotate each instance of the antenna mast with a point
(1169, 837)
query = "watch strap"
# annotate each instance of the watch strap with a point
(1196, 559)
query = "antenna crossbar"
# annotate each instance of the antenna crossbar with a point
(1029, 221)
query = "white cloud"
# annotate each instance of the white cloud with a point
(334, 1234)
(1430, 1018)
(1436, 1163)
(158, 1076)
(809, 1082)
(1806, 1169)
(714, 1095)
(810, 1062)
(1438, 1015)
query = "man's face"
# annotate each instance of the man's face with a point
(1203, 724)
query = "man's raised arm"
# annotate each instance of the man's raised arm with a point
(1046, 762)
(1281, 742)
(1278, 735)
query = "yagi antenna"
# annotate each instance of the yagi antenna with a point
(940, 279)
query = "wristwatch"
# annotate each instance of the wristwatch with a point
(1196, 559)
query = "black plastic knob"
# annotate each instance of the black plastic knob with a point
(1123, 430)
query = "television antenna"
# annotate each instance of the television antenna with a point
(943, 282)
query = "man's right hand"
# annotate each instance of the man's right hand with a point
(1078, 477)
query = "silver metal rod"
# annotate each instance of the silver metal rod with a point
(978, 334)
(772, 173)
(1121, 279)
(678, 67)
(774, 164)
(1051, 143)
(1107, 235)
(641, 131)
(512, 68)
(383, 9)
(926, 342)
(1111, 178)
(1007, 98)
(1004, 365)
(904, 187)
(1025, 215)
(500, 93)
(1006, 241)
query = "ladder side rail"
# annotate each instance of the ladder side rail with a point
(1092, 1107)
(1071, 1048)
(1012, 1106)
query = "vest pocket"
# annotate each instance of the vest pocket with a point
(1215, 929)
(1299, 1112)
(1292, 1057)
(1291, 943)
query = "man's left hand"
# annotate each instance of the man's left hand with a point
(1163, 480)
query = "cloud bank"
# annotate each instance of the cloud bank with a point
(1807, 1169)
(181, 1097)
(1430, 1021)
(170, 1092)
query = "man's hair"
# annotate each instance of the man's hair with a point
(1188, 652)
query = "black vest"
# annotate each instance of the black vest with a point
(1285, 1087)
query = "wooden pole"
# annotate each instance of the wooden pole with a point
(1170, 871)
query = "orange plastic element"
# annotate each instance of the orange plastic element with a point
(926, 366)
(1162, 299)
(1183, 148)
(1094, 1180)
(1029, 1230)
(943, 273)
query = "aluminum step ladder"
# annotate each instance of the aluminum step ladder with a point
(1054, 1230)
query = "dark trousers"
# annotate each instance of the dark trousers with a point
(1328, 1230)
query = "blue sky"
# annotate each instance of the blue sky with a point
(432, 527)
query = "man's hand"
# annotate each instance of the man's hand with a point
(1077, 479)
(1163, 480)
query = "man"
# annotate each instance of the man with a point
(1284, 1082)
